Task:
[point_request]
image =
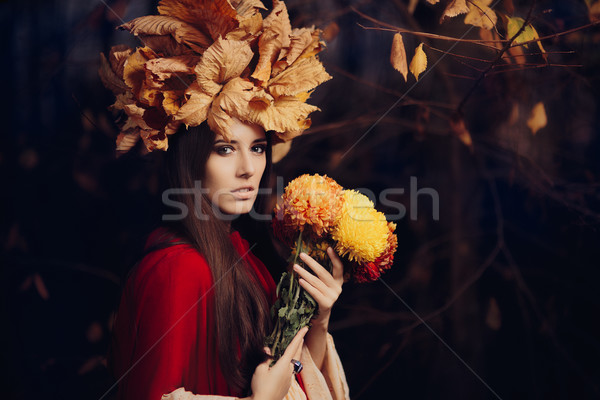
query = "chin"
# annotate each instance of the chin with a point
(237, 208)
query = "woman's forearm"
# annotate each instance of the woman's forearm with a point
(316, 341)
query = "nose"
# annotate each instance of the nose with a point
(246, 167)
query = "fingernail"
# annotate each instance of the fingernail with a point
(296, 267)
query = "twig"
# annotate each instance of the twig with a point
(498, 58)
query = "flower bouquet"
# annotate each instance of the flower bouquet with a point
(317, 213)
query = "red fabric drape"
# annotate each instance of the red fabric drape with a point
(161, 333)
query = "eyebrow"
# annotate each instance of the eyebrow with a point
(236, 142)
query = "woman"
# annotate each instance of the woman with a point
(195, 311)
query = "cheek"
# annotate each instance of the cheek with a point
(216, 174)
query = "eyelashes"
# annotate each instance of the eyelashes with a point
(226, 150)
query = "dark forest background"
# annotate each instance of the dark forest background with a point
(499, 295)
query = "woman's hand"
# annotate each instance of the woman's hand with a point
(325, 287)
(273, 383)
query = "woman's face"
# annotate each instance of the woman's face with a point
(234, 169)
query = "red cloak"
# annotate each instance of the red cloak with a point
(162, 331)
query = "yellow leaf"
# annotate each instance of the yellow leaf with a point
(302, 76)
(512, 27)
(134, 72)
(537, 119)
(419, 62)
(398, 56)
(481, 15)
(454, 8)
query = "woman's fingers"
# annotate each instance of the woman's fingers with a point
(293, 347)
(319, 297)
(338, 266)
(310, 278)
(317, 268)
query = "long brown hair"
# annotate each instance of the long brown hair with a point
(241, 307)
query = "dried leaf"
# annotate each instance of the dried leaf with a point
(195, 110)
(433, 1)
(223, 61)
(172, 101)
(247, 7)
(286, 115)
(481, 15)
(594, 11)
(249, 27)
(537, 119)
(232, 101)
(134, 72)
(159, 70)
(276, 35)
(214, 17)
(509, 6)
(126, 140)
(165, 45)
(109, 78)
(459, 129)
(454, 8)
(181, 31)
(331, 31)
(398, 56)
(40, 286)
(280, 150)
(117, 57)
(491, 36)
(299, 41)
(493, 318)
(513, 26)
(418, 63)
(302, 76)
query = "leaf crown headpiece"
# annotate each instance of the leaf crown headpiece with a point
(213, 61)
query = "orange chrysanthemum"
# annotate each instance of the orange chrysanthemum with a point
(312, 200)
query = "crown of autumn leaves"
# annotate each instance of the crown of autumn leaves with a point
(213, 61)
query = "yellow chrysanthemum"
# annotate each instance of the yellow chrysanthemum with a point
(362, 232)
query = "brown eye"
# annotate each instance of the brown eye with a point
(224, 150)
(259, 148)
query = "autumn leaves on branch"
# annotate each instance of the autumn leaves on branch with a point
(508, 42)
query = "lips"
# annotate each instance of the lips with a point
(244, 193)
